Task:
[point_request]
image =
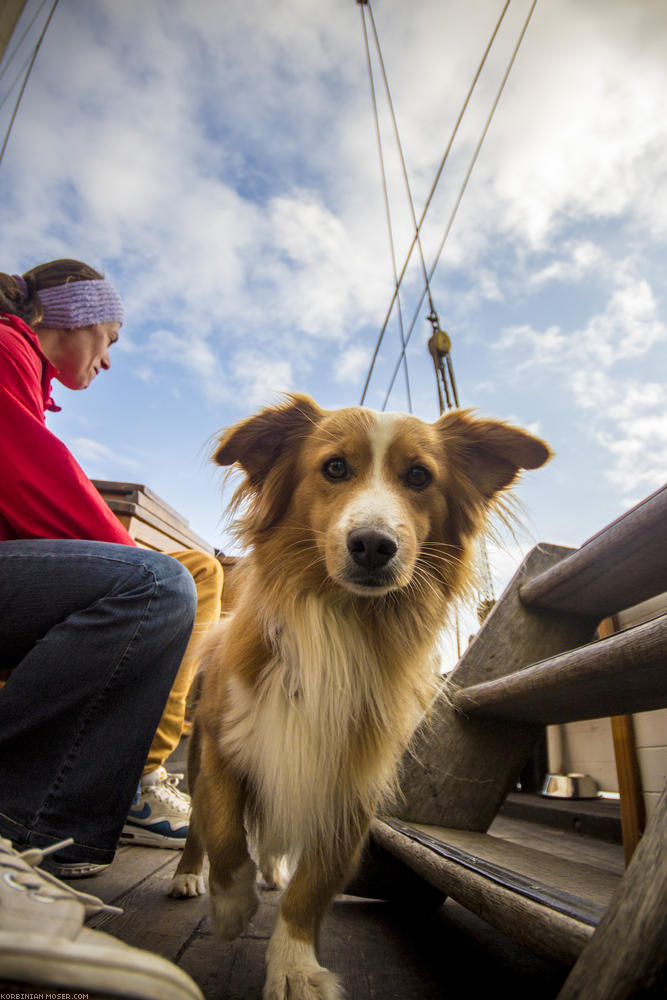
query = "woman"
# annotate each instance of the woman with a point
(92, 628)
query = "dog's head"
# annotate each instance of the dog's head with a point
(371, 501)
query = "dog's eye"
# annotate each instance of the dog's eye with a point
(418, 477)
(336, 468)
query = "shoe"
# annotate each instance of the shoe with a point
(72, 869)
(44, 945)
(161, 814)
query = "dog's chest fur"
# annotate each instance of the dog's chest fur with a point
(319, 732)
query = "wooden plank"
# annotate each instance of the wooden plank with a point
(180, 534)
(633, 810)
(627, 956)
(151, 919)
(147, 536)
(562, 842)
(382, 952)
(140, 494)
(596, 819)
(459, 770)
(617, 675)
(509, 886)
(379, 951)
(130, 867)
(564, 884)
(617, 568)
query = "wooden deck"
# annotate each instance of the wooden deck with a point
(378, 951)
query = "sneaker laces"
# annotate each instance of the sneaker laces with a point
(167, 791)
(21, 868)
(172, 781)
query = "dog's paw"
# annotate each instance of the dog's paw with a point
(299, 984)
(293, 972)
(186, 886)
(234, 905)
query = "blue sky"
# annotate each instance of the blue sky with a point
(219, 163)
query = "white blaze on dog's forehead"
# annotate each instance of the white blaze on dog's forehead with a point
(382, 435)
(375, 503)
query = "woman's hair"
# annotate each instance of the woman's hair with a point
(21, 297)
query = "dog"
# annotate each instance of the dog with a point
(359, 527)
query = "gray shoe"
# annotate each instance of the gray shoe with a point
(43, 942)
(72, 869)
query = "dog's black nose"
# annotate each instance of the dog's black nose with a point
(371, 548)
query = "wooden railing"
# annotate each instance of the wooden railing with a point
(151, 522)
(537, 660)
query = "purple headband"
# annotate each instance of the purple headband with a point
(81, 303)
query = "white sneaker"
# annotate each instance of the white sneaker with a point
(44, 945)
(161, 814)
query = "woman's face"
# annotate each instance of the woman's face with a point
(81, 353)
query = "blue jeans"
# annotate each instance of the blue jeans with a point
(93, 634)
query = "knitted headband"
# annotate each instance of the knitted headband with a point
(81, 303)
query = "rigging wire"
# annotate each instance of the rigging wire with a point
(399, 145)
(462, 190)
(441, 167)
(439, 344)
(25, 81)
(14, 82)
(18, 45)
(362, 4)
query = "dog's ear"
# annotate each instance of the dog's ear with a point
(256, 443)
(265, 446)
(488, 452)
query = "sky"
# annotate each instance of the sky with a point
(219, 162)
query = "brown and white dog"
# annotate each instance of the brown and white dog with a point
(359, 526)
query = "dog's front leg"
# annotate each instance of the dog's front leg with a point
(220, 805)
(293, 971)
(188, 880)
(232, 873)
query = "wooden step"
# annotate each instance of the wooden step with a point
(150, 521)
(623, 673)
(550, 905)
(621, 566)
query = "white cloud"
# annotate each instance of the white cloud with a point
(97, 454)
(261, 377)
(536, 347)
(628, 328)
(582, 258)
(190, 353)
(352, 364)
(628, 419)
(623, 415)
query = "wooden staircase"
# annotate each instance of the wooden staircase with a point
(536, 661)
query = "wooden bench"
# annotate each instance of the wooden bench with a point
(537, 660)
(150, 521)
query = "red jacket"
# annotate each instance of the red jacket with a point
(44, 493)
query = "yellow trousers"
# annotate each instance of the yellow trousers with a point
(208, 577)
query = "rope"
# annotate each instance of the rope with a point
(18, 45)
(25, 82)
(362, 4)
(462, 190)
(441, 167)
(14, 82)
(400, 151)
